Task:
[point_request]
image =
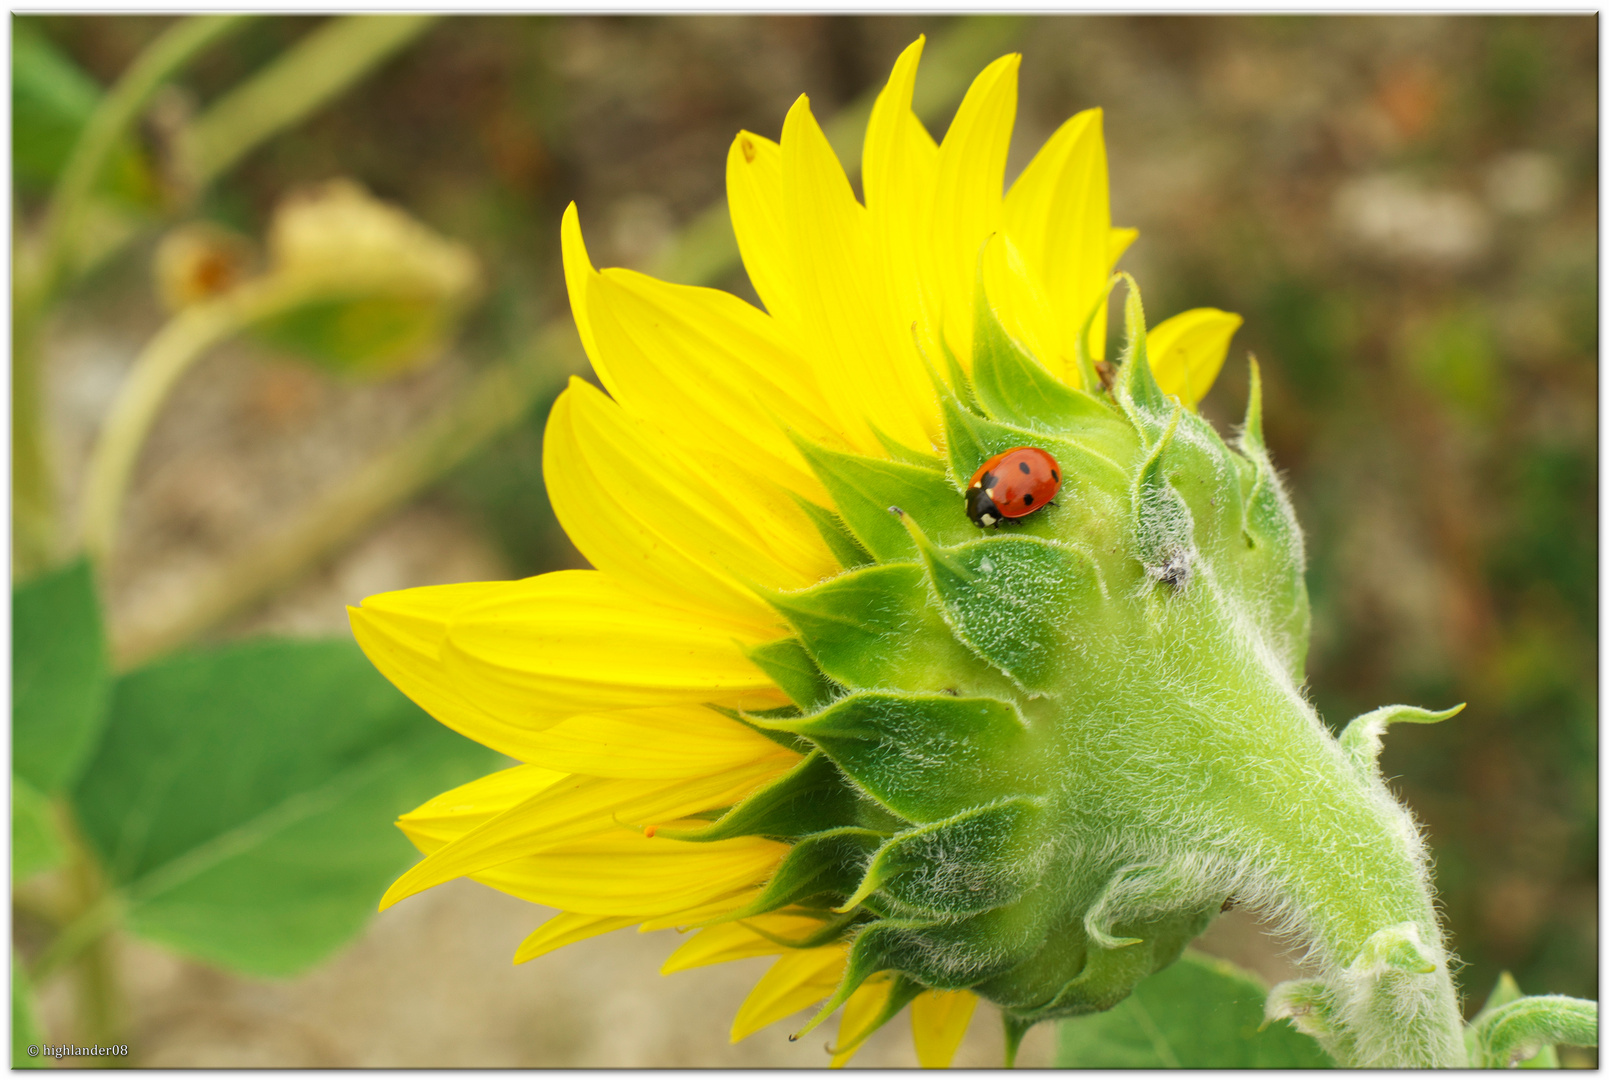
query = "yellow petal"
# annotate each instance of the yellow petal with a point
(574, 641)
(967, 196)
(578, 808)
(693, 917)
(649, 744)
(628, 875)
(454, 813)
(898, 172)
(1022, 307)
(702, 366)
(567, 928)
(1188, 350)
(754, 197)
(740, 940)
(797, 980)
(1118, 241)
(1058, 214)
(861, 1011)
(867, 367)
(683, 358)
(642, 515)
(939, 1020)
(578, 274)
(401, 632)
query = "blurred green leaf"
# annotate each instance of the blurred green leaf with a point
(59, 678)
(25, 1029)
(243, 798)
(1198, 1013)
(1454, 358)
(364, 334)
(36, 845)
(52, 99)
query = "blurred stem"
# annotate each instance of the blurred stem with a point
(33, 497)
(39, 279)
(156, 371)
(317, 68)
(86, 944)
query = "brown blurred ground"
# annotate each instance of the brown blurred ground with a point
(1404, 209)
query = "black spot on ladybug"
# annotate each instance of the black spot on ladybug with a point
(988, 480)
(1054, 475)
(1023, 465)
(1027, 500)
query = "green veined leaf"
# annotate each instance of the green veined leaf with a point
(59, 678)
(243, 798)
(1198, 1013)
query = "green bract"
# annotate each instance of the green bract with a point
(1042, 758)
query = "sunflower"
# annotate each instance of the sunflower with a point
(729, 480)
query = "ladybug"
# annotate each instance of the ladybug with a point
(1012, 485)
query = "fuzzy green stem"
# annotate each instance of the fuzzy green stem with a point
(1320, 843)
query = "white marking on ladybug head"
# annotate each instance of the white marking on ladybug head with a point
(988, 519)
(990, 493)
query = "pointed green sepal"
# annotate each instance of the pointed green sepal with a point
(1361, 740)
(863, 489)
(900, 452)
(976, 861)
(1010, 383)
(1164, 529)
(1311, 1008)
(1394, 948)
(1020, 603)
(892, 745)
(791, 667)
(829, 931)
(827, 864)
(902, 993)
(839, 540)
(863, 964)
(1136, 383)
(1509, 1034)
(1251, 431)
(811, 797)
(878, 627)
(1138, 890)
(1086, 359)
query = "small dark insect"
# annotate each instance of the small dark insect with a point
(1175, 572)
(1228, 905)
(1108, 374)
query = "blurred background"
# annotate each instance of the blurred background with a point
(1403, 208)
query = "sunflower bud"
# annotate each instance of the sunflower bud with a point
(925, 650)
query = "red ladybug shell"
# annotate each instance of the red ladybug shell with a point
(1012, 485)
